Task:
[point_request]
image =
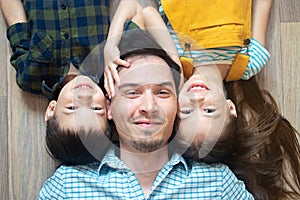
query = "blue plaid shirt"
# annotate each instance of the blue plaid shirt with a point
(57, 33)
(111, 179)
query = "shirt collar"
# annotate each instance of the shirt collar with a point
(51, 93)
(177, 159)
(113, 161)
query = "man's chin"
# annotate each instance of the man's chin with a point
(147, 145)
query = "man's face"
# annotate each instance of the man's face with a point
(145, 105)
(81, 103)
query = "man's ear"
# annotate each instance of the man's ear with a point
(108, 108)
(50, 110)
(232, 108)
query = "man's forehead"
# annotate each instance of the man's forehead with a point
(143, 58)
(146, 68)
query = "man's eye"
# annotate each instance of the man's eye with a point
(71, 107)
(209, 110)
(132, 94)
(163, 93)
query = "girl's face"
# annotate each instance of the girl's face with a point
(203, 109)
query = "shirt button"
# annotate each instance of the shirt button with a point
(66, 35)
(247, 41)
(187, 46)
(63, 6)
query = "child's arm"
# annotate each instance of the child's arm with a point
(157, 28)
(146, 18)
(259, 55)
(13, 11)
(260, 17)
(126, 10)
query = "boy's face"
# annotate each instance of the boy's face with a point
(80, 104)
(203, 108)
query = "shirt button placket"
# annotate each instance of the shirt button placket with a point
(63, 6)
(136, 190)
(64, 21)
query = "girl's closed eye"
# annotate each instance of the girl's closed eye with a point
(97, 108)
(209, 110)
(184, 112)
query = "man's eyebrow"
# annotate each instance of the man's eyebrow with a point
(134, 85)
(167, 83)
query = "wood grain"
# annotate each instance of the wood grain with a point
(3, 113)
(289, 10)
(29, 165)
(270, 77)
(291, 72)
(3, 149)
(25, 165)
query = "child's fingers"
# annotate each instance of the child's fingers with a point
(106, 86)
(111, 85)
(111, 76)
(122, 62)
(114, 73)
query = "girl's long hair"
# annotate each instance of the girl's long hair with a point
(265, 151)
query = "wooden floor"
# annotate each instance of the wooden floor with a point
(25, 164)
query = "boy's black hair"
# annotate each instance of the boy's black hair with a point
(75, 147)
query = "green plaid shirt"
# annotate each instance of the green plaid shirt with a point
(57, 33)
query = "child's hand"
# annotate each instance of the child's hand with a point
(112, 61)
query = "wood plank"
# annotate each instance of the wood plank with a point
(29, 164)
(25, 165)
(270, 77)
(3, 149)
(3, 111)
(3, 57)
(289, 10)
(291, 71)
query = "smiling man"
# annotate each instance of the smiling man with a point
(144, 108)
(142, 167)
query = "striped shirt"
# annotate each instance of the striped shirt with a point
(57, 33)
(259, 55)
(112, 179)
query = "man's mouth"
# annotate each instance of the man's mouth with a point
(146, 123)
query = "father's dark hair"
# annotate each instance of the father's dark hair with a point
(137, 42)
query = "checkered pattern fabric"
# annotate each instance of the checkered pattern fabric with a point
(178, 179)
(57, 33)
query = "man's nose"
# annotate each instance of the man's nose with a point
(148, 104)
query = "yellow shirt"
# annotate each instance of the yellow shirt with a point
(211, 23)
